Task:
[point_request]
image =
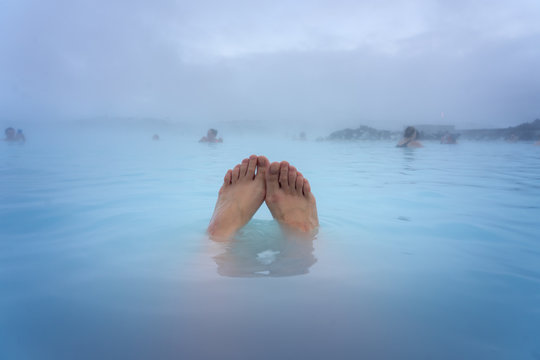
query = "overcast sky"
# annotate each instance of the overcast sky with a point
(379, 63)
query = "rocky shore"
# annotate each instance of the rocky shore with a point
(363, 133)
(524, 132)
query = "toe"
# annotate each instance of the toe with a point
(292, 178)
(299, 183)
(306, 188)
(235, 174)
(252, 165)
(262, 166)
(284, 175)
(272, 177)
(243, 167)
(227, 178)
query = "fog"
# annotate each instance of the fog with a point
(317, 64)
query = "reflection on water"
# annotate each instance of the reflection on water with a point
(408, 157)
(261, 249)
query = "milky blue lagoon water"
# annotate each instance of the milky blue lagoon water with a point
(429, 253)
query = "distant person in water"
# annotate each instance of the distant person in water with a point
(211, 137)
(155, 137)
(10, 134)
(13, 136)
(409, 139)
(254, 181)
(20, 136)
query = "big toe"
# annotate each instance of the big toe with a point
(262, 166)
(272, 178)
(252, 166)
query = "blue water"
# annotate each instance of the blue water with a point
(429, 253)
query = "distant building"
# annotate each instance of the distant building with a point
(433, 132)
(430, 130)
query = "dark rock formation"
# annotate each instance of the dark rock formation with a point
(524, 132)
(437, 136)
(362, 133)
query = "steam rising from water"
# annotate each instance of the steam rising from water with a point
(330, 62)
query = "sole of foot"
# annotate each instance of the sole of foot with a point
(290, 200)
(242, 193)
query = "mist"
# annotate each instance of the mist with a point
(322, 65)
(309, 225)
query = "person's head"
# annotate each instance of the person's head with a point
(212, 133)
(10, 132)
(410, 132)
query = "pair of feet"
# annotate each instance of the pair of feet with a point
(286, 193)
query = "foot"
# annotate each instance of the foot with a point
(242, 193)
(289, 198)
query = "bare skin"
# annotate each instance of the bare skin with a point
(415, 144)
(241, 195)
(408, 142)
(289, 198)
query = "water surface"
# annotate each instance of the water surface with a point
(426, 253)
